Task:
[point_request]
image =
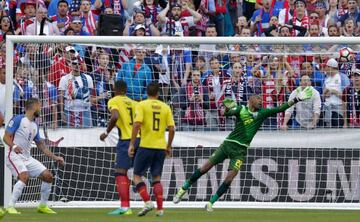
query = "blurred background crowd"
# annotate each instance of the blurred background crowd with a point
(75, 81)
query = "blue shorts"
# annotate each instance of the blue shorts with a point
(149, 158)
(123, 160)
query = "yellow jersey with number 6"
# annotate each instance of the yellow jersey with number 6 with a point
(126, 108)
(154, 116)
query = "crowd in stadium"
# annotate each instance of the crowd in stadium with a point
(78, 79)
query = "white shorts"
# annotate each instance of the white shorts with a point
(17, 164)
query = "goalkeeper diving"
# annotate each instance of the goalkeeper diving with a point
(248, 120)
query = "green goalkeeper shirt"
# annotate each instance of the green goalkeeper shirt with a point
(248, 123)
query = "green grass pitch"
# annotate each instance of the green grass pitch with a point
(184, 215)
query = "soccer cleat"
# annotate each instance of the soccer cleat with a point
(177, 198)
(44, 209)
(149, 206)
(160, 213)
(121, 211)
(208, 207)
(12, 210)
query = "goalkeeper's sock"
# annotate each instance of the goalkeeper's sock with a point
(141, 189)
(45, 192)
(222, 189)
(193, 178)
(123, 185)
(158, 191)
(17, 191)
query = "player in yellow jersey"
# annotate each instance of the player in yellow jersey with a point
(152, 117)
(122, 111)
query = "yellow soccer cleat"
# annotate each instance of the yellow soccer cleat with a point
(44, 209)
(12, 210)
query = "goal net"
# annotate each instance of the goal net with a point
(303, 157)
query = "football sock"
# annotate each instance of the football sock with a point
(158, 192)
(222, 189)
(17, 191)
(193, 178)
(45, 192)
(141, 189)
(123, 185)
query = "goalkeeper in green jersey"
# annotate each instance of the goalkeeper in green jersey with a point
(248, 120)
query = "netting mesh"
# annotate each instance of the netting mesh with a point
(74, 83)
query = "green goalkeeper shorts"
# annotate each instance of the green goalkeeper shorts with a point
(229, 150)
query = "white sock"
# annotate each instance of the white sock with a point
(17, 191)
(45, 192)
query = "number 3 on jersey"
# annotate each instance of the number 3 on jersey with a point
(156, 121)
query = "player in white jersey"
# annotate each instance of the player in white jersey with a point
(19, 135)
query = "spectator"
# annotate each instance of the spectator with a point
(206, 13)
(317, 77)
(241, 24)
(5, 27)
(236, 87)
(139, 19)
(137, 75)
(351, 97)
(88, 18)
(308, 111)
(208, 50)
(150, 8)
(352, 13)
(333, 112)
(118, 7)
(323, 17)
(273, 25)
(245, 32)
(77, 26)
(333, 12)
(139, 30)
(103, 81)
(300, 21)
(284, 31)
(261, 18)
(314, 30)
(74, 8)
(28, 9)
(248, 8)
(61, 19)
(108, 11)
(194, 101)
(161, 61)
(286, 14)
(75, 94)
(178, 25)
(349, 28)
(214, 79)
(200, 64)
(41, 27)
(254, 81)
(333, 31)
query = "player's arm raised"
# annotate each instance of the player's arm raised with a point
(112, 122)
(41, 146)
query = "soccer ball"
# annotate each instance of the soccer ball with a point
(346, 55)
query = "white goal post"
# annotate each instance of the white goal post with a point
(331, 154)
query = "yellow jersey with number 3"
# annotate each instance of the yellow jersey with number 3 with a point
(126, 108)
(154, 116)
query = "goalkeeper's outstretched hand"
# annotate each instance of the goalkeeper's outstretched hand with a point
(229, 103)
(304, 94)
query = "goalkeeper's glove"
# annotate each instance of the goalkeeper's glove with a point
(303, 94)
(229, 103)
